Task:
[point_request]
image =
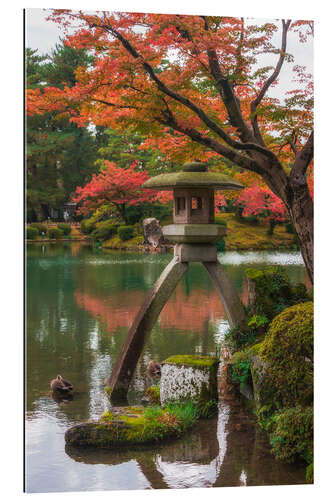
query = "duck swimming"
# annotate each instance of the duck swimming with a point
(154, 369)
(61, 385)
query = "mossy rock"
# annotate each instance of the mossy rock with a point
(292, 434)
(287, 352)
(190, 377)
(263, 392)
(131, 425)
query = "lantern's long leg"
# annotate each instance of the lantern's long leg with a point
(144, 321)
(228, 294)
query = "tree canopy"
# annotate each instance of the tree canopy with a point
(194, 87)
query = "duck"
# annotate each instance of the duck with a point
(61, 385)
(154, 369)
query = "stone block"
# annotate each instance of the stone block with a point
(194, 233)
(189, 377)
(195, 253)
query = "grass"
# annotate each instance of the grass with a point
(244, 235)
(117, 244)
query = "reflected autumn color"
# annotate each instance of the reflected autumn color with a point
(182, 311)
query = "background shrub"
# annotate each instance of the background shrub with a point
(125, 232)
(32, 233)
(55, 233)
(105, 230)
(220, 245)
(42, 228)
(65, 228)
(87, 226)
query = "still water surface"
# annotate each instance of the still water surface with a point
(80, 304)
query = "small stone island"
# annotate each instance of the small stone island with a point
(188, 391)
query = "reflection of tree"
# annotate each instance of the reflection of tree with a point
(182, 311)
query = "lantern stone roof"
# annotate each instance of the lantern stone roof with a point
(194, 174)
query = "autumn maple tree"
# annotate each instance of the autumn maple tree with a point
(119, 188)
(259, 200)
(194, 87)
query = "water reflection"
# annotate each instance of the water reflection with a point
(80, 304)
(225, 451)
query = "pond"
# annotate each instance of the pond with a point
(80, 302)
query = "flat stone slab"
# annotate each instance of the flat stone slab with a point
(194, 233)
(195, 252)
(189, 377)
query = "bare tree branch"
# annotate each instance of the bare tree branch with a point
(248, 146)
(237, 158)
(227, 94)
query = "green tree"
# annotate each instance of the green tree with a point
(60, 155)
(125, 148)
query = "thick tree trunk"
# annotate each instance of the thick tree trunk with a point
(301, 211)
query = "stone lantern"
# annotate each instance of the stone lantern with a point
(194, 233)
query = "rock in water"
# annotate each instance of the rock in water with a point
(187, 377)
(152, 233)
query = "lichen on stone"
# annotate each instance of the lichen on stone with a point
(189, 377)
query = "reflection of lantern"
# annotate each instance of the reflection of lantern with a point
(194, 233)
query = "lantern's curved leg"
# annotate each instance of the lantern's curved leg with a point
(144, 321)
(228, 294)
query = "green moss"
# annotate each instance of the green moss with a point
(192, 179)
(288, 353)
(134, 425)
(255, 349)
(192, 360)
(273, 291)
(292, 434)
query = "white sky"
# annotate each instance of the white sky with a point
(43, 35)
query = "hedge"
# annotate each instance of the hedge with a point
(105, 230)
(32, 233)
(125, 232)
(55, 233)
(65, 228)
(41, 228)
